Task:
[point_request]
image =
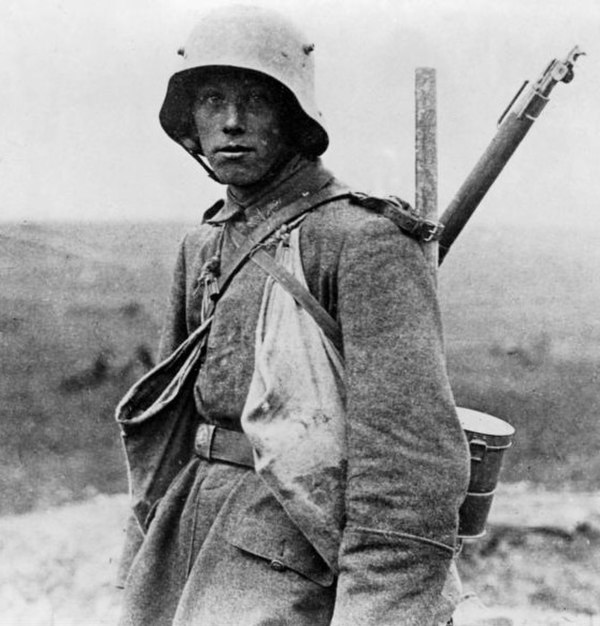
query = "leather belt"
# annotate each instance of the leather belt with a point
(219, 444)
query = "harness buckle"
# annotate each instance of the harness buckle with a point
(430, 231)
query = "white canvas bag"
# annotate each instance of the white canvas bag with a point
(294, 415)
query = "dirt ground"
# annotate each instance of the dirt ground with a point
(535, 567)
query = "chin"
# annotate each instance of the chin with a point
(237, 177)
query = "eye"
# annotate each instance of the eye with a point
(258, 97)
(210, 98)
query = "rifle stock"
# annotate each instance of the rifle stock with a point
(513, 125)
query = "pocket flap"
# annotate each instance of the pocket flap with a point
(264, 529)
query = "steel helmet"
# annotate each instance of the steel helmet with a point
(251, 38)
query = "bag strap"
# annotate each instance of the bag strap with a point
(392, 208)
(298, 291)
(329, 193)
(249, 248)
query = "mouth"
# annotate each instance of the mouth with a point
(233, 151)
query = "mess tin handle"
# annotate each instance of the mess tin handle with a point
(478, 448)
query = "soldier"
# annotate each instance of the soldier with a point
(322, 482)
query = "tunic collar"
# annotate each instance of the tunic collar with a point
(299, 177)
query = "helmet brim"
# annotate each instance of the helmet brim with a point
(176, 116)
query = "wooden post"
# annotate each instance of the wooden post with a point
(426, 153)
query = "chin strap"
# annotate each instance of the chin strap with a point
(199, 159)
(211, 173)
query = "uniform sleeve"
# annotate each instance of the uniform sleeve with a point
(175, 329)
(407, 457)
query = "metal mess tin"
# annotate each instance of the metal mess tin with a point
(488, 438)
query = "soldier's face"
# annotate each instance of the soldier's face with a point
(238, 117)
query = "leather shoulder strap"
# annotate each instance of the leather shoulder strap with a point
(402, 214)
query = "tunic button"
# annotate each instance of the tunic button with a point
(278, 566)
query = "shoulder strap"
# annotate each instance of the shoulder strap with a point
(302, 296)
(392, 208)
(402, 214)
(286, 214)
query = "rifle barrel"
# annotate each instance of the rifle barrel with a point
(513, 126)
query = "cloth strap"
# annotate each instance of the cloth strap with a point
(271, 224)
(300, 294)
(248, 247)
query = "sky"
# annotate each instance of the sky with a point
(82, 84)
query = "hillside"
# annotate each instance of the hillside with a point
(80, 311)
(79, 321)
(523, 343)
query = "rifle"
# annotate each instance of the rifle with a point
(513, 125)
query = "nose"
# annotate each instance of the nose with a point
(235, 119)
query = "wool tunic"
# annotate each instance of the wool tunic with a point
(220, 543)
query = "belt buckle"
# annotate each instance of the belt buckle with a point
(203, 440)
